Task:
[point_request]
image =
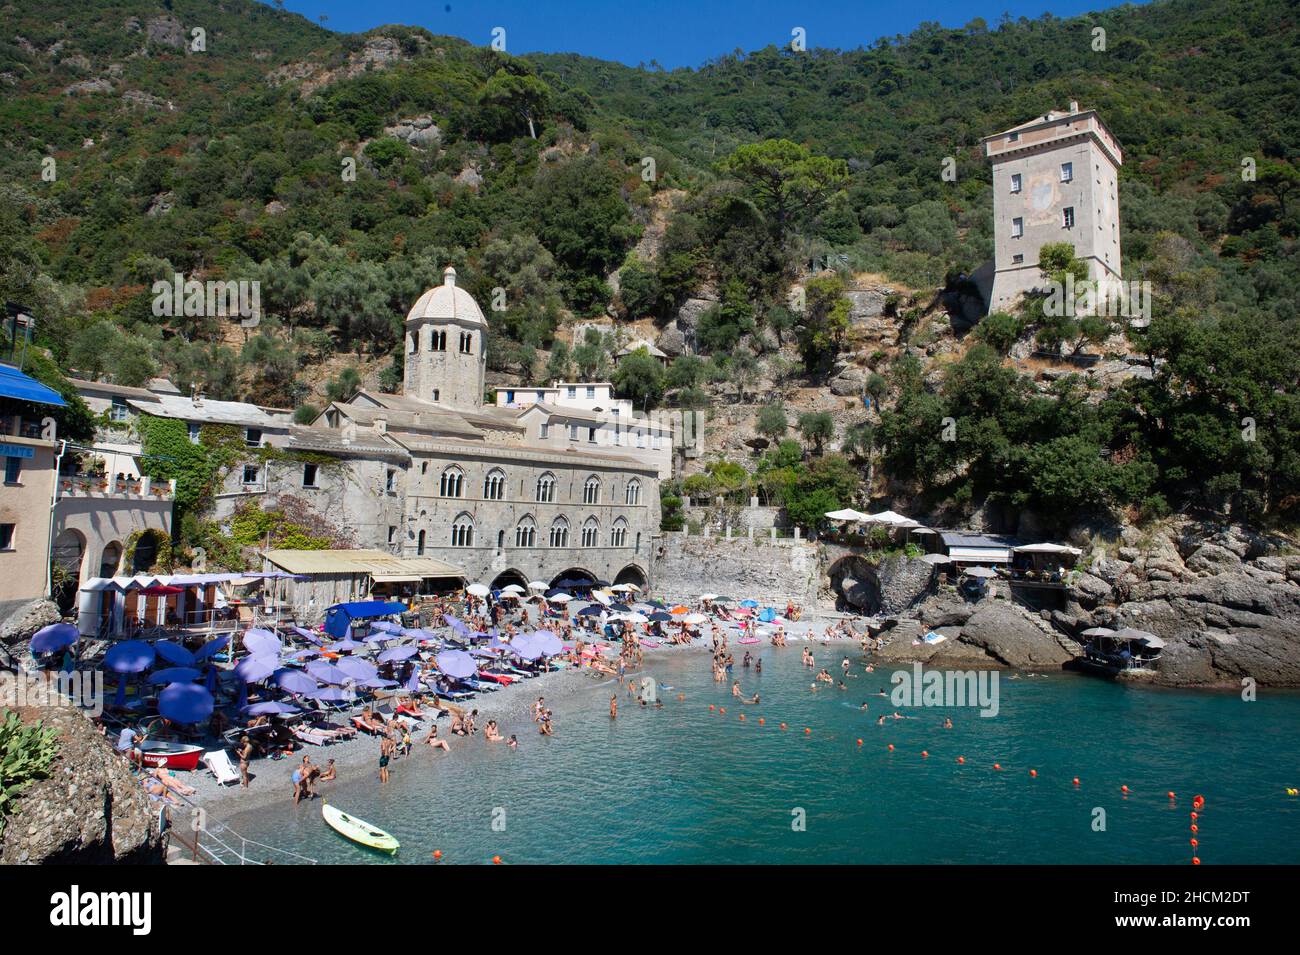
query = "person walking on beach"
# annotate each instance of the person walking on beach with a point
(385, 753)
(245, 754)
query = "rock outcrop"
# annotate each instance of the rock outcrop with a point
(89, 810)
(991, 633)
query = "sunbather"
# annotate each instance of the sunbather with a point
(166, 777)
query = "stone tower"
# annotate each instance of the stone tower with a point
(1055, 179)
(445, 335)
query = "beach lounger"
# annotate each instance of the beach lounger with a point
(314, 737)
(219, 764)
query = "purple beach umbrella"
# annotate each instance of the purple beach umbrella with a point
(357, 669)
(256, 669)
(129, 656)
(185, 703)
(211, 648)
(174, 653)
(326, 672)
(398, 653)
(271, 708)
(54, 637)
(261, 642)
(328, 694)
(294, 681)
(456, 663)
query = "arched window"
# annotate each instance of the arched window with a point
(414, 342)
(419, 544)
(591, 490)
(633, 495)
(546, 488)
(526, 533)
(618, 534)
(494, 485)
(560, 533)
(438, 341)
(462, 531)
(591, 532)
(453, 480)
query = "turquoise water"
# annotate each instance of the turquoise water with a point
(682, 784)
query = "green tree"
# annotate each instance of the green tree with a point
(817, 427)
(789, 183)
(641, 378)
(772, 422)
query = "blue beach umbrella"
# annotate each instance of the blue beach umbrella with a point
(749, 603)
(398, 653)
(175, 675)
(185, 703)
(129, 656)
(328, 694)
(345, 646)
(211, 648)
(54, 637)
(375, 683)
(548, 643)
(174, 653)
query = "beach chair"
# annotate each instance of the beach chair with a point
(219, 764)
(312, 736)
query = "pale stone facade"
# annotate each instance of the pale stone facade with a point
(1055, 179)
(433, 472)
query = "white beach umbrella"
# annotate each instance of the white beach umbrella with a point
(636, 618)
(478, 590)
(560, 598)
(512, 589)
(601, 597)
(708, 596)
(537, 585)
(694, 618)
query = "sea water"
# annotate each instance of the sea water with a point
(687, 784)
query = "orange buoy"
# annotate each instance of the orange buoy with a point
(1195, 842)
(722, 709)
(761, 721)
(1171, 795)
(891, 747)
(1076, 780)
(496, 860)
(1033, 773)
(1195, 816)
(1123, 789)
(1198, 801)
(859, 742)
(437, 853)
(1195, 861)
(961, 759)
(925, 752)
(997, 765)
(712, 707)
(1195, 828)
(806, 731)
(782, 726)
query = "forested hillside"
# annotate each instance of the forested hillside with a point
(589, 189)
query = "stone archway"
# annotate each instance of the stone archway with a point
(111, 559)
(855, 584)
(66, 556)
(508, 577)
(147, 548)
(631, 574)
(586, 577)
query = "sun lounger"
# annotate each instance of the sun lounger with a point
(314, 737)
(219, 764)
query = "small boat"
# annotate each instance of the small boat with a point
(358, 830)
(161, 752)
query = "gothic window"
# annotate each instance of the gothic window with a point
(526, 533)
(560, 533)
(462, 531)
(546, 488)
(494, 485)
(591, 533)
(618, 534)
(591, 490)
(633, 495)
(452, 482)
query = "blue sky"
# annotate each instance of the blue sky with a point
(673, 32)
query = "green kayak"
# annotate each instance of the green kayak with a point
(358, 830)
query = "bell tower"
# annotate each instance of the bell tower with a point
(445, 337)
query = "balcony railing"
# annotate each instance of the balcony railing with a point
(94, 485)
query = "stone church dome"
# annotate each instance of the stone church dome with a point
(446, 302)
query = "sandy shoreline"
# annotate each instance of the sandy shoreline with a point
(270, 781)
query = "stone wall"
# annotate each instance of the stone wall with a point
(767, 570)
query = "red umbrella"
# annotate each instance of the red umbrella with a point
(162, 590)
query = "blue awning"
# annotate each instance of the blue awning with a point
(14, 384)
(339, 617)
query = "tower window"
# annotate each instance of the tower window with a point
(309, 475)
(1067, 217)
(1017, 228)
(1015, 182)
(390, 480)
(1017, 259)
(1067, 171)
(466, 343)
(438, 341)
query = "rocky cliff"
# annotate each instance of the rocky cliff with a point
(90, 809)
